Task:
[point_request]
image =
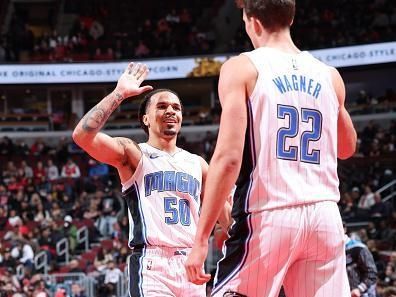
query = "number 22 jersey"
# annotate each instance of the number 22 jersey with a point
(290, 153)
(163, 198)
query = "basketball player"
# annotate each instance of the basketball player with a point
(283, 125)
(161, 184)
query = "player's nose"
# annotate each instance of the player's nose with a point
(170, 110)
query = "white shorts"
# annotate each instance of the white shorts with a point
(301, 247)
(159, 271)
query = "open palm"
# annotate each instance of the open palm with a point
(130, 81)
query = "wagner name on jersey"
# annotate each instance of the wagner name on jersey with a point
(163, 198)
(290, 154)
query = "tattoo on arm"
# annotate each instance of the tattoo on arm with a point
(124, 142)
(94, 119)
(97, 116)
(119, 97)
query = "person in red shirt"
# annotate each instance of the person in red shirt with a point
(39, 172)
(70, 170)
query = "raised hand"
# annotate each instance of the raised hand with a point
(129, 82)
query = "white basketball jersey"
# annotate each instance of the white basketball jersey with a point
(163, 198)
(290, 154)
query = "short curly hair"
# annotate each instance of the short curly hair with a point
(146, 102)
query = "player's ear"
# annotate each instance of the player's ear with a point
(145, 120)
(258, 27)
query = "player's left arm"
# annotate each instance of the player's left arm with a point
(235, 76)
(227, 157)
(225, 219)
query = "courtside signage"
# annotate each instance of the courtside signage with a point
(178, 68)
(107, 72)
(361, 55)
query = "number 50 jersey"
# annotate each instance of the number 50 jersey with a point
(290, 154)
(163, 198)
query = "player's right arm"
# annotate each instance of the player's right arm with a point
(225, 219)
(346, 132)
(122, 153)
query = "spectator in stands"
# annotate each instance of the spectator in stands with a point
(39, 286)
(39, 147)
(23, 252)
(77, 290)
(141, 49)
(122, 256)
(15, 184)
(92, 212)
(389, 292)
(361, 269)
(57, 212)
(102, 258)
(27, 169)
(39, 172)
(387, 234)
(4, 195)
(105, 223)
(387, 176)
(380, 209)
(112, 276)
(372, 231)
(97, 169)
(70, 170)
(40, 213)
(124, 226)
(365, 202)
(47, 240)
(9, 283)
(60, 292)
(52, 170)
(6, 146)
(7, 260)
(70, 231)
(9, 172)
(369, 131)
(375, 148)
(77, 209)
(390, 271)
(109, 207)
(14, 220)
(98, 175)
(74, 266)
(347, 206)
(66, 203)
(3, 217)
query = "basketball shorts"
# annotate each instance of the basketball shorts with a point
(159, 271)
(300, 247)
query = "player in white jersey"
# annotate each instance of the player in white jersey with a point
(162, 185)
(283, 125)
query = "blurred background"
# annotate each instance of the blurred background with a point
(63, 224)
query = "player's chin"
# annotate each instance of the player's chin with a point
(171, 132)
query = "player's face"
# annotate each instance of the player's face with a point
(164, 115)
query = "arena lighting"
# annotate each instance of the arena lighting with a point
(199, 66)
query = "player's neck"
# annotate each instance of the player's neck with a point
(279, 40)
(163, 144)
